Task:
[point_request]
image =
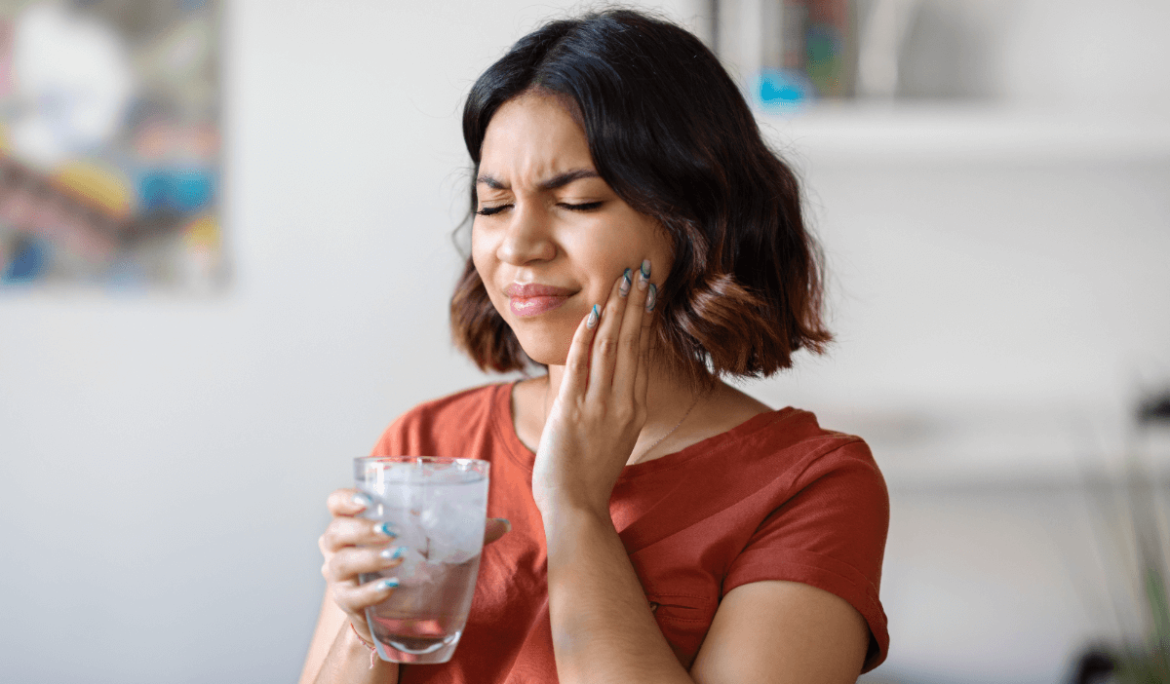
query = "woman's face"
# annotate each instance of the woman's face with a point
(551, 238)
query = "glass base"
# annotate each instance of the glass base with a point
(415, 650)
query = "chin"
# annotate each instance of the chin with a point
(549, 350)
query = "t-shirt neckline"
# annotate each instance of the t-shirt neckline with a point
(506, 429)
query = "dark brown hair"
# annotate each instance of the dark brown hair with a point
(671, 134)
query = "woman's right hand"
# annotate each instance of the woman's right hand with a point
(353, 546)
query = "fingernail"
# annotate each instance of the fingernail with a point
(388, 583)
(385, 529)
(652, 298)
(507, 524)
(393, 552)
(627, 281)
(362, 500)
(644, 274)
(594, 316)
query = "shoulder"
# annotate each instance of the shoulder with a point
(829, 475)
(840, 457)
(429, 426)
(788, 446)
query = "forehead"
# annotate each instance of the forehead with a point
(531, 137)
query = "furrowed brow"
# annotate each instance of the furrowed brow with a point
(558, 181)
(562, 179)
(492, 182)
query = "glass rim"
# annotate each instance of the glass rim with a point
(447, 460)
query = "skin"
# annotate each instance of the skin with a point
(605, 401)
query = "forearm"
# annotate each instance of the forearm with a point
(602, 627)
(349, 662)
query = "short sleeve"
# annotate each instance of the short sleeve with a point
(830, 533)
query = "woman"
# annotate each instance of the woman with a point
(634, 235)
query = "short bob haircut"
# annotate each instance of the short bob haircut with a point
(672, 135)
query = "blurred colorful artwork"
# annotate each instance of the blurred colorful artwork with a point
(110, 144)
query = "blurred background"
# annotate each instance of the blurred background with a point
(988, 179)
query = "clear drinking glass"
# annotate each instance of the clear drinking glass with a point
(438, 507)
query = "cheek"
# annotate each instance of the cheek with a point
(483, 258)
(482, 253)
(647, 240)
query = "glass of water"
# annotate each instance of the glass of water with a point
(438, 507)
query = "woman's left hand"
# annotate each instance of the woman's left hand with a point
(600, 408)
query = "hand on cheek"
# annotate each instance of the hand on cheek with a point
(600, 408)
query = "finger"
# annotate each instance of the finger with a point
(354, 598)
(348, 502)
(629, 343)
(348, 563)
(495, 528)
(343, 532)
(576, 379)
(648, 302)
(605, 343)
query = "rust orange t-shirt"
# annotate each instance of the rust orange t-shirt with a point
(775, 498)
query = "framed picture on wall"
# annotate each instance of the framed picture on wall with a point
(110, 145)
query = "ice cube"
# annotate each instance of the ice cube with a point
(412, 572)
(454, 532)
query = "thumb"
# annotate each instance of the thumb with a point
(495, 528)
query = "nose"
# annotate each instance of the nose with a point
(527, 237)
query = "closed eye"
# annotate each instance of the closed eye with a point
(488, 211)
(587, 206)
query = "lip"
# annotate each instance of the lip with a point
(536, 290)
(533, 299)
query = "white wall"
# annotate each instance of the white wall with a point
(164, 460)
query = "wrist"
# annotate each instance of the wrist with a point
(354, 633)
(568, 520)
(359, 643)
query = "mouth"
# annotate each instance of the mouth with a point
(533, 299)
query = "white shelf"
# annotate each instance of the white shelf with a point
(997, 447)
(860, 133)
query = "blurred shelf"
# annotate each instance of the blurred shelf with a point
(997, 448)
(848, 133)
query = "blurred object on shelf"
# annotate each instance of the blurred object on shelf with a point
(110, 144)
(788, 52)
(1142, 656)
(1095, 666)
(781, 90)
(879, 50)
(829, 47)
(1155, 409)
(1055, 52)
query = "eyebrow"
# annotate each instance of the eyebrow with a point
(558, 181)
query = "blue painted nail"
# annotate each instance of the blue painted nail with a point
(393, 553)
(652, 298)
(385, 529)
(363, 500)
(594, 317)
(627, 281)
(644, 275)
(388, 583)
